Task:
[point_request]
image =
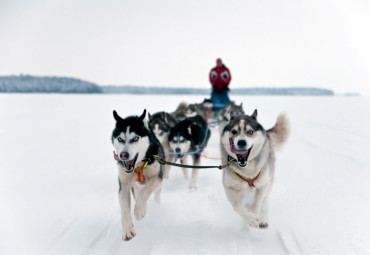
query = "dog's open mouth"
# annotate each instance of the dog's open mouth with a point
(129, 165)
(242, 155)
(179, 156)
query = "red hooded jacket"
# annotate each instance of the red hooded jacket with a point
(220, 78)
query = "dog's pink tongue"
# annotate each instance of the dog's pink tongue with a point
(232, 147)
(244, 154)
(236, 151)
(130, 164)
(231, 141)
(115, 156)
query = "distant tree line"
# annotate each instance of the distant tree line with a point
(35, 84)
(294, 91)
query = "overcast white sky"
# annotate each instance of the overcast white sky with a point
(321, 43)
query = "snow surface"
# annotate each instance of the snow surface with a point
(58, 181)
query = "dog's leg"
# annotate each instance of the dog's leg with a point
(194, 177)
(260, 205)
(236, 197)
(195, 171)
(169, 158)
(157, 195)
(143, 196)
(184, 161)
(136, 187)
(124, 197)
(263, 217)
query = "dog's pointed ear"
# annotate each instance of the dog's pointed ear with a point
(142, 117)
(165, 118)
(232, 115)
(149, 116)
(254, 114)
(145, 120)
(241, 105)
(116, 116)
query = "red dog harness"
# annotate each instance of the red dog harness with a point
(249, 180)
(139, 171)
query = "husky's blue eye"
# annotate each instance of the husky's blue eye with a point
(135, 139)
(250, 132)
(120, 139)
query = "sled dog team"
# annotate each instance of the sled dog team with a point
(247, 149)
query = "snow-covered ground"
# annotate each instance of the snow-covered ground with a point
(58, 181)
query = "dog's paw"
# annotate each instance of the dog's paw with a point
(128, 233)
(140, 211)
(192, 186)
(192, 189)
(263, 225)
(253, 222)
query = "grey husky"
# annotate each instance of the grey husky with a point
(225, 114)
(203, 109)
(135, 146)
(161, 124)
(250, 150)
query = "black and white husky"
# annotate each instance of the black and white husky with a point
(251, 153)
(161, 124)
(185, 139)
(134, 148)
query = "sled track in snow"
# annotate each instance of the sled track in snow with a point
(290, 243)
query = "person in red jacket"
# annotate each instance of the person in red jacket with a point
(220, 78)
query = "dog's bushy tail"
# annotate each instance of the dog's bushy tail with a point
(280, 132)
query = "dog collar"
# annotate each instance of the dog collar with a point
(249, 180)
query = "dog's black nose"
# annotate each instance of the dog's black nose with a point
(177, 150)
(242, 143)
(124, 155)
